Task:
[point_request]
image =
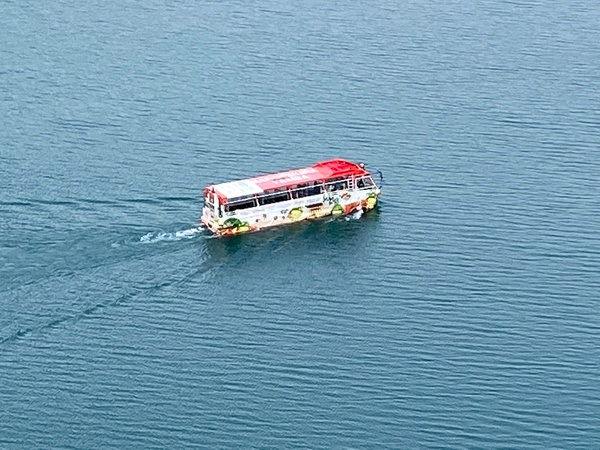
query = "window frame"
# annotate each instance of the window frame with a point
(236, 204)
(267, 198)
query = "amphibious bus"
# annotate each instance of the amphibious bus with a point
(334, 187)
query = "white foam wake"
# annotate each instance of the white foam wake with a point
(355, 215)
(151, 238)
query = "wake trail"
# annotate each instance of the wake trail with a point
(154, 237)
(355, 215)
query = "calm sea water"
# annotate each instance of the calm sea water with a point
(463, 313)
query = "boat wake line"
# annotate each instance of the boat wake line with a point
(355, 215)
(151, 238)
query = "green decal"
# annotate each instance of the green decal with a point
(232, 222)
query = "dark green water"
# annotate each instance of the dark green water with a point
(463, 313)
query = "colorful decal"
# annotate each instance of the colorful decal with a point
(232, 222)
(295, 213)
(337, 209)
(371, 200)
(352, 207)
(236, 225)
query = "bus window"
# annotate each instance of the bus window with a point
(307, 189)
(274, 196)
(337, 184)
(240, 203)
(208, 200)
(363, 183)
(314, 189)
(299, 190)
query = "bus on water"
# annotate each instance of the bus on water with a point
(335, 187)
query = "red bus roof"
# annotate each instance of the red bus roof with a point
(322, 171)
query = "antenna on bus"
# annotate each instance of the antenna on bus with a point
(375, 169)
(380, 177)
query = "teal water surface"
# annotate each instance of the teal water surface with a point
(462, 313)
